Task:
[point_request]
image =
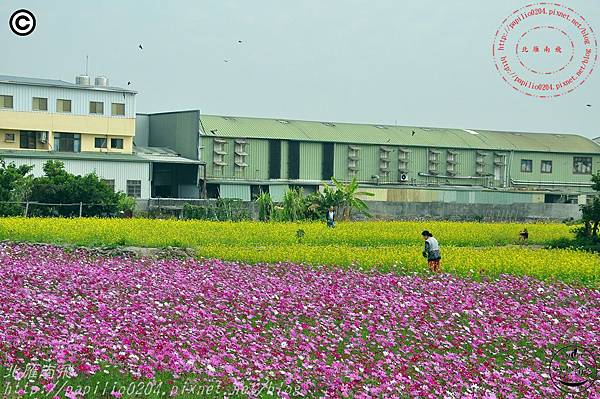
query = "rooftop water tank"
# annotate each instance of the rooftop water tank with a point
(82, 80)
(101, 81)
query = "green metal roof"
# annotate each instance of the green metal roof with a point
(84, 156)
(230, 126)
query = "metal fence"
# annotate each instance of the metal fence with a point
(78, 209)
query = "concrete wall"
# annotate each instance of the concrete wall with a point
(424, 210)
(488, 212)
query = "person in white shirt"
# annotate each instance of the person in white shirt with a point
(432, 252)
(330, 217)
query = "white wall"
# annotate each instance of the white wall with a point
(120, 172)
(80, 99)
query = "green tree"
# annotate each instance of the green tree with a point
(343, 197)
(591, 212)
(15, 187)
(58, 186)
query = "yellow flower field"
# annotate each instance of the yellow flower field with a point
(547, 264)
(159, 233)
(468, 248)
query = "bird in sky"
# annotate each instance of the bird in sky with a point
(413, 133)
(140, 47)
(239, 41)
(589, 105)
(128, 83)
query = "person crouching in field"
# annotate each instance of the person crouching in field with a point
(432, 252)
(330, 217)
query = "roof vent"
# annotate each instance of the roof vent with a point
(328, 124)
(82, 80)
(470, 131)
(380, 127)
(101, 81)
(228, 118)
(283, 121)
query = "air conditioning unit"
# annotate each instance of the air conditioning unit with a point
(403, 177)
(43, 137)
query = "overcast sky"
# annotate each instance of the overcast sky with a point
(420, 63)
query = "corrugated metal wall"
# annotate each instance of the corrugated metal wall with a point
(369, 162)
(276, 191)
(80, 99)
(142, 130)
(311, 161)
(120, 172)
(177, 130)
(285, 158)
(235, 191)
(562, 167)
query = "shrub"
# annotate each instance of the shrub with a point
(265, 207)
(15, 186)
(224, 209)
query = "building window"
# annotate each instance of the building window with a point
(546, 166)
(480, 162)
(116, 143)
(39, 104)
(353, 158)
(240, 154)
(118, 109)
(433, 161)
(110, 184)
(582, 165)
(63, 105)
(451, 160)
(403, 159)
(384, 161)
(219, 153)
(134, 188)
(526, 165)
(28, 140)
(9, 137)
(96, 108)
(100, 142)
(67, 142)
(6, 102)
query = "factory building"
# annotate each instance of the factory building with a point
(94, 127)
(89, 126)
(245, 156)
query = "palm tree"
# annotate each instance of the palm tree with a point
(349, 196)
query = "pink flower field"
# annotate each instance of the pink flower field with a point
(327, 332)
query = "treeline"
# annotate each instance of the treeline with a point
(57, 193)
